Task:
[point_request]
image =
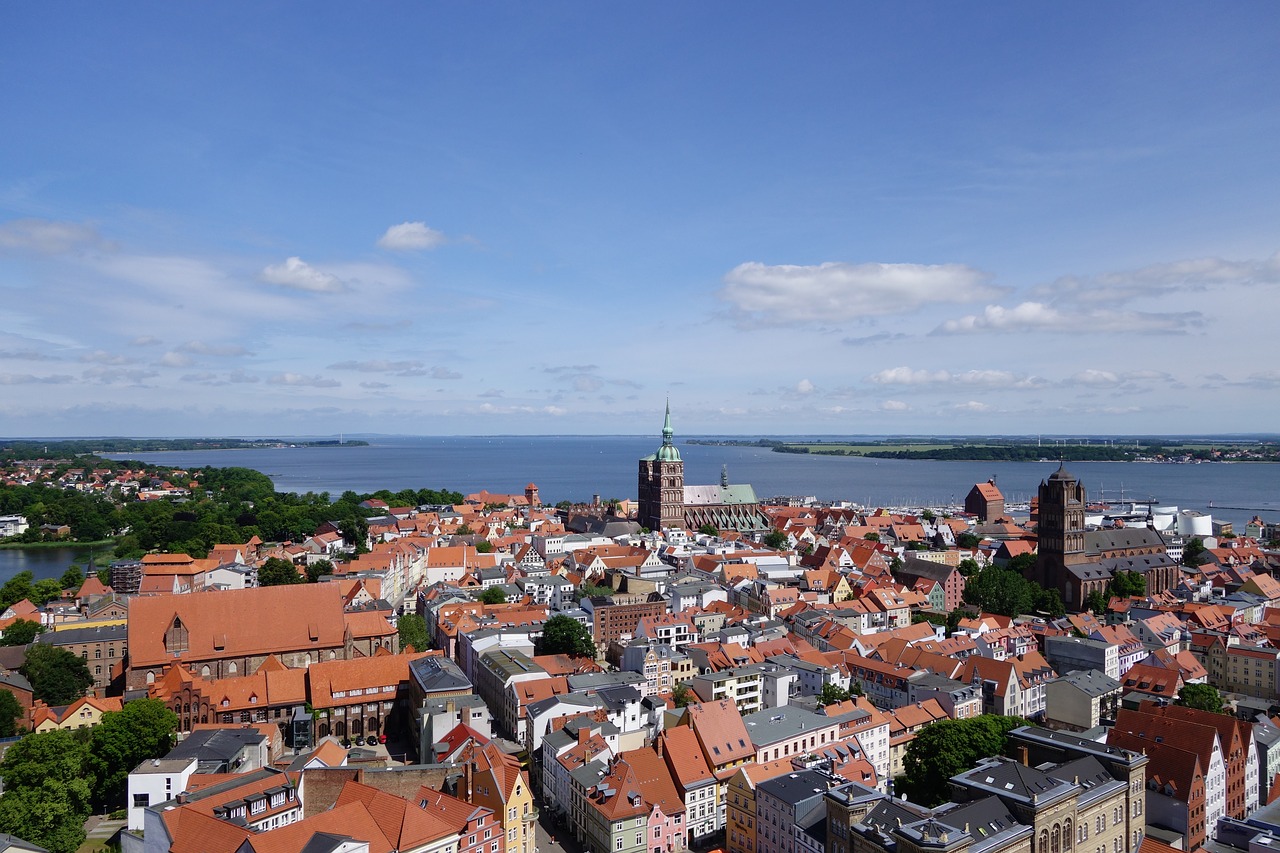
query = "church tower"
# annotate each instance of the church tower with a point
(1060, 532)
(661, 484)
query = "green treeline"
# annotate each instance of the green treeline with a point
(68, 448)
(228, 505)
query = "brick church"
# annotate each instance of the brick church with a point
(1078, 561)
(667, 503)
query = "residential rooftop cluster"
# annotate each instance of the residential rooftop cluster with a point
(469, 673)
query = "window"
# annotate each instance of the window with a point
(141, 801)
(619, 844)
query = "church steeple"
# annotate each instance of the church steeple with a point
(668, 451)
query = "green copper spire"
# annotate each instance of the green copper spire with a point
(668, 452)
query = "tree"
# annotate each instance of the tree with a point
(872, 536)
(941, 750)
(57, 676)
(928, 515)
(45, 590)
(1096, 603)
(1050, 601)
(413, 633)
(318, 569)
(72, 578)
(278, 572)
(968, 540)
(464, 529)
(15, 589)
(1022, 564)
(1203, 696)
(1193, 554)
(21, 632)
(47, 790)
(10, 710)
(998, 590)
(709, 530)
(563, 635)
(142, 730)
(1125, 584)
(493, 595)
(832, 694)
(775, 539)
(484, 546)
(683, 696)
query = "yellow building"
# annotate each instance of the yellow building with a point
(81, 714)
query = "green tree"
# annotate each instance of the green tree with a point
(1050, 601)
(563, 635)
(775, 539)
(493, 595)
(928, 515)
(464, 529)
(872, 536)
(682, 696)
(278, 572)
(484, 546)
(45, 590)
(318, 569)
(72, 578)
(413, 633)
(10, 710)
(709, 530)
(104, 575)
(1096, 603)
(57, 676)
(1203, 696)
(47, 790)
(1193, 554)
(943, 749)
(142, 730)
(968, 540)
(998, 590)
(15, 589)
(832, 694)
(1125, 584)
(969, 567)
(1022, 564)
(21, 632)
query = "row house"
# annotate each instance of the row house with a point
(1148, 733)
(358, 698)
(662, 666)
(629, 806)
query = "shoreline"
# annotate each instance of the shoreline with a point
(62, 543)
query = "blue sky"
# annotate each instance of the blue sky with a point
(451, 218)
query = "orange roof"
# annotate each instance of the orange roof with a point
(356, 677)
(403, 824)
(266, 620)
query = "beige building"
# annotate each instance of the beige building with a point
(1081, 700)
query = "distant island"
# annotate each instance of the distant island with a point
(62, 448)
(1023, 450)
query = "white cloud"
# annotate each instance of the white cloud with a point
(301, 381)
(1096, 378)
(411, 237)
(971, 406)
(145, 341)
(1037, 316)
(400, 368)
(1159, 280)
(104, 357)
(804, 386)
(444, 373)
(908, 376)
(980, 378)
(374, 386)
(176, 359)
(834, 292)
(46, 237)
(894, 406)
(28, 379)
(298, 274)
(116, 375)
(221, 350)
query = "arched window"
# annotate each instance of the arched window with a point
(231, 668)
(1043, 845)
(205, 671)
(1067, 829)
(1055, 846)
(151, 678)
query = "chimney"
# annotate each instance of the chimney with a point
(1023, 756)
(658, 744)
(467, 770)
(583, 734)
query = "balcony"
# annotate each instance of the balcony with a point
(530, 816)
